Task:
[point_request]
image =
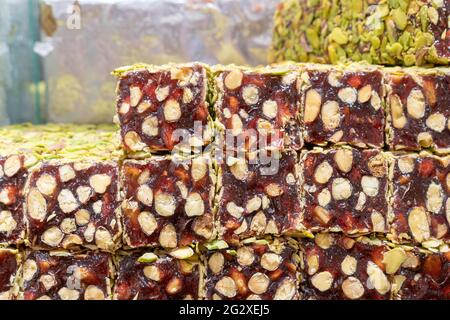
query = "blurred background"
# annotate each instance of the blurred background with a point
(56, 55)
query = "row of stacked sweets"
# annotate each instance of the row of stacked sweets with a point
(345, 189)
(283, 106)
(330, 266)
(342, 188)
(170, 204)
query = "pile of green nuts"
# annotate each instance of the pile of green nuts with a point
(387, 32)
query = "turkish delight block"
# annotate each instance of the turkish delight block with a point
(343, 105)
(74, 204)
(345, 189)
(380, 32)
(162, 107)
(418, 113)
(168, 201)
(261, 270)
(23, 146)
(13, 175)
(60, 275)
(422, 275)
(173, 275)
(259, 108)
(420, 201)
(258, 195)
(9, 265)
(337, 267)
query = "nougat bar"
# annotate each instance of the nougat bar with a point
(258, 108)
(13, 176)
(60, 275)
(20, 148)
(343, 105)
(420, 202)
(162, 107)
(383, 32)
(9, 266)
(423, 275)
(337, 267)
(173, 275)
(71, 195)
(74, 204)
(345, 189)
(417, 109)
(258, 194)
(259, 270)
(168, 201)
(25, 145)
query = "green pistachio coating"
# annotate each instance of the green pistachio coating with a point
(387, 32)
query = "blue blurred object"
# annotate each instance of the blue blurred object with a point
(21, 76)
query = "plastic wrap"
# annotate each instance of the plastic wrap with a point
(111, 33)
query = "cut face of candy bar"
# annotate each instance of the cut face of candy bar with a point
(418, 112)
(65, 276)
(414, 32)
(9, 264)
(343, 106)
(13, 175)
(259, 108)
(256, 271)
(74, 204)
(22, 146)
(423, 276)
(150, 276)
(168, 201)
(157, 106)
(420, 201)
(345, 189)
(258, 196)
(338, 267)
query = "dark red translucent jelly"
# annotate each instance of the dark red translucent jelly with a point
(440, 31)
(352, 214)
(8, 263)
(11, 203)
(185, 84)
(274, 182)
(279, 270)
(177, 180)
(430, 280)
(435, 89)
(269, 113)
(82, 273)
(165, 279)
(106, 218)
(331, 259)
(411, 190)
(361, 123)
